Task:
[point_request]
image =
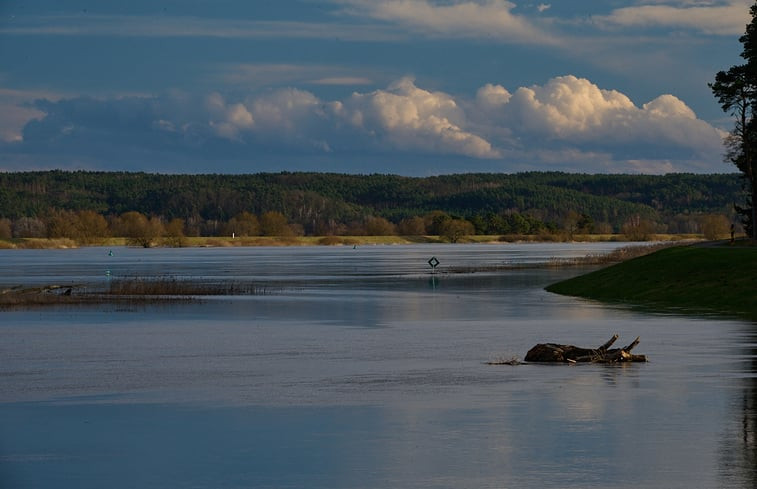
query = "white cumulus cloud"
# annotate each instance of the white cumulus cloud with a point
(567, 107)
(228, 119)
(669, 106)
(492, 96)
(574, 111)
(568, 123)
(285, 109)
(412, 118)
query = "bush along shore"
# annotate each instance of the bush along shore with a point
(694, 279)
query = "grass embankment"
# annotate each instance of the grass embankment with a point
(696, 279)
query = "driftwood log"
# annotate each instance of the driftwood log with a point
(554, 353)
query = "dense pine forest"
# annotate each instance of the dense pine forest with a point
(86, 204)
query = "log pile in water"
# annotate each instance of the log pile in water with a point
(554, 353)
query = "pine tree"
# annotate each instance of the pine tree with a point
(736, 91)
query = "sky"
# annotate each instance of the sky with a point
(408, 87)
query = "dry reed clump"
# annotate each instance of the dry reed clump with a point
(337, 241)
(31, 296)
(330, 241)
(517, 238)
(544, 237)
(126, 290)
(221, 243)
(616, 256)
(173, 287)
(43, 243)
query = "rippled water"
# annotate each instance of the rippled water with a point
(360, 368)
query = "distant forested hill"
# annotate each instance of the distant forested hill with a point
(318, 202)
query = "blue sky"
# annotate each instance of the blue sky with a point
(411, 87)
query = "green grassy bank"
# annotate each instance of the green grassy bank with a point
(696, 279)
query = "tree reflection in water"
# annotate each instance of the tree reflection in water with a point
(739, 446)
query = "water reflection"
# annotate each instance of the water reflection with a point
(368, 371)
(302, 264)
(739, 444)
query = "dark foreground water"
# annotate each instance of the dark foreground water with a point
(359, 368)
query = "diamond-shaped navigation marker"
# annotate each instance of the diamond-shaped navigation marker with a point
(433, 262)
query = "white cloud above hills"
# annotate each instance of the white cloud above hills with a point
(568, 116)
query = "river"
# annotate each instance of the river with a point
(362, 368)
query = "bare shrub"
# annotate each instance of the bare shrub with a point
(715, 226)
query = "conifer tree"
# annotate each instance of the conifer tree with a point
(736, 91)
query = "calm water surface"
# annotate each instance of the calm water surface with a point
(360, 368)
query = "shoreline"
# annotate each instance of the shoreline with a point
(699, 279)
(223, 242)
(168, 289)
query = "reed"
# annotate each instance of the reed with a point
(174, 287)
(131, 290)
(38, 243)
(615, 256)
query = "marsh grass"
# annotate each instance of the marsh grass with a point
(40, 296)
(174, 287)
(38, 243)
(132, 290)
(604, 259)
(616, 256)
(336, 241)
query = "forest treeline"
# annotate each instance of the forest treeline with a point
(83, 205)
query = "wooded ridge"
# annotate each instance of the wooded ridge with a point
(328, 203)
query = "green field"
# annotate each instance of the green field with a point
(693, 279)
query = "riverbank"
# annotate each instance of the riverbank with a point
(226, 241)
(699, 279)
